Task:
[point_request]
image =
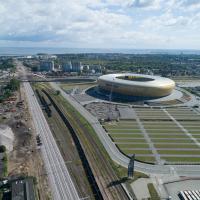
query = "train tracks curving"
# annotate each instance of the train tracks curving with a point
(99, 162)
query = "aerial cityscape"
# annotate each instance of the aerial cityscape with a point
(100, 100)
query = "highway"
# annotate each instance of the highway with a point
(62, 186)
(117, 156)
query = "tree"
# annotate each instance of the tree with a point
(57, 92)
(13, 85)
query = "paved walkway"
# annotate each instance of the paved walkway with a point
(148, 139)
(140, 188)
(117, 156)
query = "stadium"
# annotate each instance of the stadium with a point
(136, 85)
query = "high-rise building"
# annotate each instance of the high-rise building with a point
(47, 66)
(67, 67)
(76, 66)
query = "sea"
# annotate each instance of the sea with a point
(24, 51)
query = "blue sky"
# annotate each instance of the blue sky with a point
(140, 24)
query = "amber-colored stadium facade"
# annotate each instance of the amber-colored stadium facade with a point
(136, 84)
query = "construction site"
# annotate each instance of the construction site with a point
(18, 136)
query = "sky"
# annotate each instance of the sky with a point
(130, 24)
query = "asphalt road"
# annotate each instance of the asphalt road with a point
(117, 156)
(61, 183)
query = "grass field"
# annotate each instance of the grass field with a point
(133, 140)
(122, 127)
(81, 86)
(167, 137)
(126, 151)
(178, 152)
(174, 130)
(126, 135)
(123, 130)
(171, 141)
(181, 159)
(133, 145)
(166, 145)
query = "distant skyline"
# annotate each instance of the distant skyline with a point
(130, 24)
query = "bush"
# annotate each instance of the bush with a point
(5, 166)
(13, 85)
(2, 149)
(57, 92)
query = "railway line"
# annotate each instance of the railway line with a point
(105, 177)
(60, 181)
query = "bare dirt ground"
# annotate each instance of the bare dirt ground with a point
(25, 159)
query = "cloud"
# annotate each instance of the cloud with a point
(55, 18)
(146, 3)
(166, 20)
(190, 2)
(98, 23)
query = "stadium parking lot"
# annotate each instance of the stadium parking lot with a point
(158, 135)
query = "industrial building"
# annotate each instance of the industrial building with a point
(136, 85)
(23, 189)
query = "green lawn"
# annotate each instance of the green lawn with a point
(79, 85)
(196, 136)
(153, 117)
(133, 145)
(169, 145)
(127, 151)
(178, 152)
(159, 123)
(168, 136)
(194, 131)
(130, 140)
(186, 118)
(123, 131)
(114, 135)
(121, 126)
(160, 126)
(192, 128)
(155, 129)
(164, 131)
(181, 159)
(188, 123)
(171, 141)
(153, 193)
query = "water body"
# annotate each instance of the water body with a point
(15, 51)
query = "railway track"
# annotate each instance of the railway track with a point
(105, 177)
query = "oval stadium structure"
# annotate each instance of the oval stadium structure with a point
(136, 85)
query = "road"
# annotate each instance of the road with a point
(60, 181)
(117, 156)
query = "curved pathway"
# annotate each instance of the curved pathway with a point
(116, 155)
